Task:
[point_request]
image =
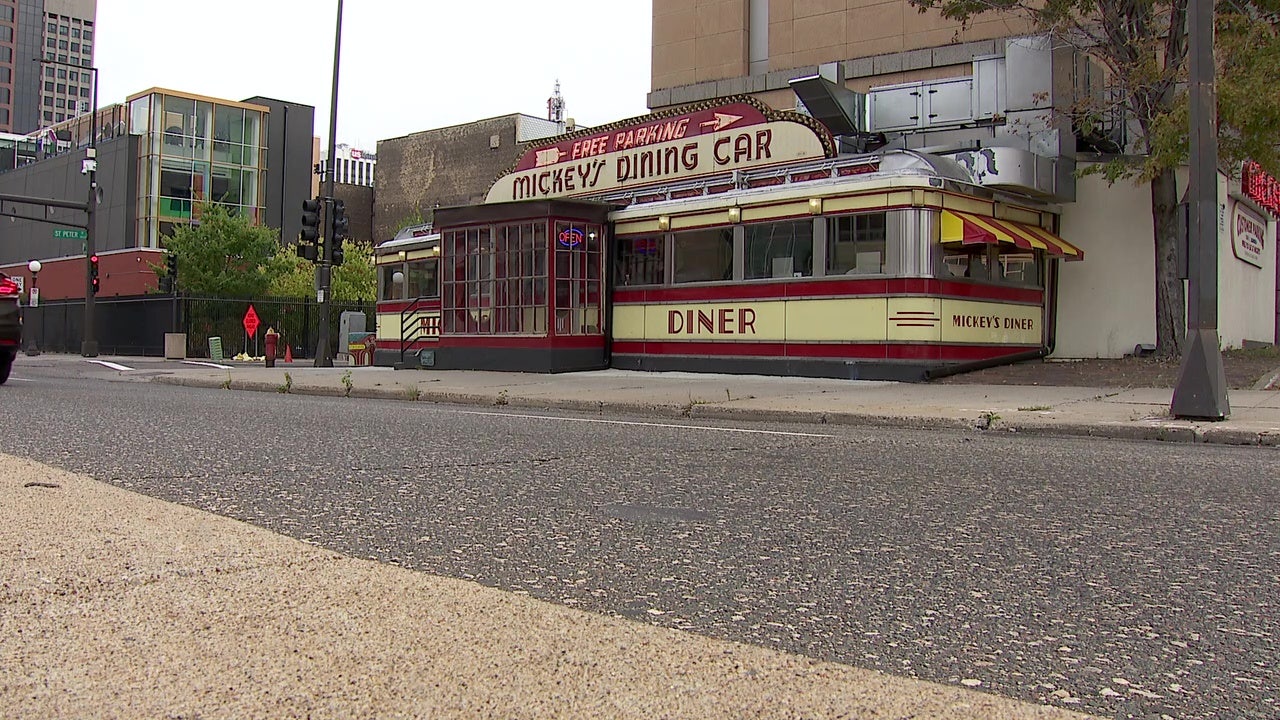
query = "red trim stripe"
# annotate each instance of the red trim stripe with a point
(827, 289)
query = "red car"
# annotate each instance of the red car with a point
(10, 325)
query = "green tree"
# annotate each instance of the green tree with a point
(225, 255)
(1144, 46)
(355, 279)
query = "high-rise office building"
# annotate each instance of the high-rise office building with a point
(62, 34)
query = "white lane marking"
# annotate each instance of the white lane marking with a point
(208, 364)
(14, 379)
(644, 424)
(113, 366)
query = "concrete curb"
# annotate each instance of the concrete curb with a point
(1115, 431)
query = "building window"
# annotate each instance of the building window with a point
(64, 30)
(75, 33)
(856, 244)
(48, 116)
(578, 288)
(495, 280)
(61, 117)
(61, 103)
(779, 250)
(48, 72)
(51, 42)
(1017, 268)
(62, 44)
(53, 27)
(641, 260)
(5, 96)
(48, 86)
(6, 32)
(75, 76)
(703, 255)
(88, 34)
(6, 54)
(6, 74)
(48, 100)
(62, 74)
(62, 88)
(75, 47)
(84, 92)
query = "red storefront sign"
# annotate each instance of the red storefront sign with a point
(1260, 186)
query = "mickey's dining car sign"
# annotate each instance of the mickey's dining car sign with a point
(664, 147)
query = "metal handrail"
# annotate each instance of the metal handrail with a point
(405, 315)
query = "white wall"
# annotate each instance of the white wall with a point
(1246, 293)
(1106, 303)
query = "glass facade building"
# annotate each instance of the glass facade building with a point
(195, 149)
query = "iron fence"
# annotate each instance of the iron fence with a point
(137, 325)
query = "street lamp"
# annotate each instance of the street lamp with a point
(33, 300)
(89, 166)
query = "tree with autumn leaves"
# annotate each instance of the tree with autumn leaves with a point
(1143, 45)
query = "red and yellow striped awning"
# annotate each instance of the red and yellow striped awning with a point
(969, 229)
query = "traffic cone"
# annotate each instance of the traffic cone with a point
(288, 353)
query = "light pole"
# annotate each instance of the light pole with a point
(33, 300)
(89, 166)
(1201, 392)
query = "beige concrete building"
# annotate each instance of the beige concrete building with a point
(713, 48)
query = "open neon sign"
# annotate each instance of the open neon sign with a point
(571, 238)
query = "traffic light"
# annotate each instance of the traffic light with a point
(93, 274)
(310, 233)
(169, 283)
(339, 230)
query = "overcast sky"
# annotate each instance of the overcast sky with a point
(407, 65)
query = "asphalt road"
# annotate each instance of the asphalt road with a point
(1133, 580)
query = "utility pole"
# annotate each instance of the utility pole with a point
(324, 268)
(1201, 392)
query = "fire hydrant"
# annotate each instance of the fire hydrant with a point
(272, 338)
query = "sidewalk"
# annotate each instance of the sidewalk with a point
(114, 604)
(1097, 412)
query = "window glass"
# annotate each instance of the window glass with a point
(578, 288)
(1018, 268)
(856, 244)
(640, 260)
(421, 279)
(967, 262)
(389, 289)
(704, 255)
(779, 250)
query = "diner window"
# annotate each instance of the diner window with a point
(1018, 268)
(422, 279)
(967, 262)
(390, 289)
(640, 261)
(856, 244)
(579, 301)
(779, 250)
(495, 280)
(703, 255)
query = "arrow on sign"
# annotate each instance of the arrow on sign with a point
(722, 121)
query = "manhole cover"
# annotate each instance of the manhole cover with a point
(653, 513)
